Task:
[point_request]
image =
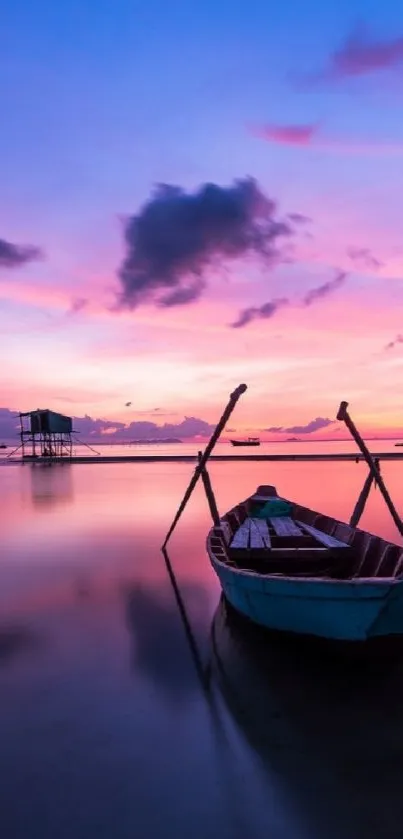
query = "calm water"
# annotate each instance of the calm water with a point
(104, 728)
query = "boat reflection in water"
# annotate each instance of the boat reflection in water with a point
(329, 733)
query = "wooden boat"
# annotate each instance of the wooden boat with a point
(250, 441)
(307, 573)
(295, 570)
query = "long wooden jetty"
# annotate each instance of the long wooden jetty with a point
(348, 457)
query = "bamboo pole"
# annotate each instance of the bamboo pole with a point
(362, 500)
(205, 456)
(210, 494)
(363, 497)
(344, 415)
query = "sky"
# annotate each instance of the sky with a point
(199, 194)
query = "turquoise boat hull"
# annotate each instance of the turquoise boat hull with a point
(342, 610)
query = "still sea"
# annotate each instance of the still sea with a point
(107, 730)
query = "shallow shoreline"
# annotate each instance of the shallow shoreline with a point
(223, 458)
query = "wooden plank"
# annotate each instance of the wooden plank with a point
(241, 537)
(284, 526)
(324, 538)
(256, 539)
(261, 526)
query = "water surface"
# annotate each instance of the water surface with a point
(105, 730)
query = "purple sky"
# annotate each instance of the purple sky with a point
(107, 296)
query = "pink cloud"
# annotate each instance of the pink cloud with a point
(309, 136)
(289, 135)
(77, 305)
(361, 54)
(392, 344)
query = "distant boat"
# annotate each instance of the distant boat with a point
(290, 569)
(250, 441)
(398, 444)
(3, 446)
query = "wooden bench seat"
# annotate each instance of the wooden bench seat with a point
(285, 526)
(253, 534)
(259, 534)
(240, 539)
(324, 538)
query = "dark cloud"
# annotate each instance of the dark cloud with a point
(268, 310)
(259, 312)
(313, 425)
(364, 257)
(323, 290)
(9, 424)
(109, 431)
(13, 256)
(177, 236)
(188, 428)
(394, 343)
(141, 430)
(360, 55)
(181, 296)
(86, 426)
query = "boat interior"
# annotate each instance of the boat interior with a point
(302, 543)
